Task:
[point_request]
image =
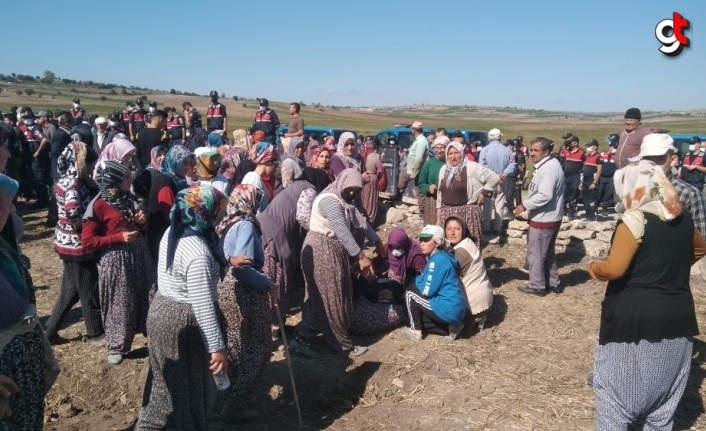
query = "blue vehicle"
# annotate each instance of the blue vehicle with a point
(315, 132)
(681, 141)
(405, 137)
(471, 135)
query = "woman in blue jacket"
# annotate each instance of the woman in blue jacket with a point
(437, 296)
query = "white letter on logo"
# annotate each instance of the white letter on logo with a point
(669, 43)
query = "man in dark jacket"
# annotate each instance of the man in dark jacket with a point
(267, 121)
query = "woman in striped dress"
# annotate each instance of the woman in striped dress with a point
(325, 258)
(463, 186)
(187, 347)
(126, 274)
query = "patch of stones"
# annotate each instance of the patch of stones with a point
(589, 238)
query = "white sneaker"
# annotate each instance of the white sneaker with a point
(115, 359)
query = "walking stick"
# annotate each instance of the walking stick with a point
(289, 361)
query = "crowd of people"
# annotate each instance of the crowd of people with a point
(202, 243)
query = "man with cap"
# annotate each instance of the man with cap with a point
(266, 121)
(216, 118)
(150, 111)
(44, 120)
(125, 116)
(592, 169)
(522, 147)
(574, 158)
(631, 138)
(103, 135)
(138, 119)
(77, 111)
(175, 127)
(693, 170)
(606, 189)
(498, 158)
(659, 148)
(150, 137)
(544, 208)
(415, 158)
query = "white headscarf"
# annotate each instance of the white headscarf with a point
(348, 162)
(454, 170)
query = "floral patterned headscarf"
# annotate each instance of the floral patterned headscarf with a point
(172, 164)
(265, 153)
(116, 150)
(643, 187)
(193, 214)
(243, 204)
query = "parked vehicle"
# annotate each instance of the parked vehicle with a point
(681, 141)
(316, 132)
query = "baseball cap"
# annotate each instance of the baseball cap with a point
(494, 132)
(430, 230)
(567, 135)
(213, 93)
(205, 151)
(101, 120)
(592, 143)
(417, 125)
(572, 138)
(264, 102)
(656, 144)
(77, 100)
(42, 113)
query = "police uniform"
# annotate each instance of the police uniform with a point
(514, 181)
(590, 196)
(266, 121)
(606, 189)
(215, 116)
(175, 127)
(77, 112)
(694, 177)
(573, 165)
(138, 120)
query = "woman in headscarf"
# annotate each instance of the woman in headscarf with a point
(187, 347)
(293, 163)
(284, 225)
(157, 154)
(648, 320)
(436, 302)
(234, 154)
(73, 192)
(24, 350)
(330, 143)
(215, 139)
(321, 159)
(266, 160)
(404, 256)
(374, 170)
(479, 291)
(158, 189)
(347, 156)
(463, 186)
(120, 149)
(207, 167)
(243, 300)
(429, 179)
(197, 139)
(126, 274)
(311, 146)
(325, 258)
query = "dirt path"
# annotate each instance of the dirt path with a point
(525, 371)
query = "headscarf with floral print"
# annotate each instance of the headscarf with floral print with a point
(243, 204)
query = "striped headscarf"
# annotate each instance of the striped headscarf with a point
(348, 161)
(243, 204)
(172, 164)
(193, 213)
(109, 177)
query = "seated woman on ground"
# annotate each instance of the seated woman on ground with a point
(404, 258)
(479, 291)
(437, 303)
(377, 304)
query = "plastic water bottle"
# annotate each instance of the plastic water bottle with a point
(222, 381)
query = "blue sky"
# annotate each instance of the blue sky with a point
(558, 55)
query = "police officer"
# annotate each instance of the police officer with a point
(152, 108)
(216, 118)
(592, 169)
(693, 170)
(574, 158)
(138, 119)
(606, 189)
(77, 111)
(38, 146)
(175, 127)
(267, 121)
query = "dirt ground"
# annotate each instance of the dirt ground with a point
(525, 371)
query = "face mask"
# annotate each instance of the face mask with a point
(263, 108)
(613, 150)
(348, 197)
(397, 252)
(592, 149)
(152, 110)
(76, 105)
(111, 123)
(29, 122)
(692, 147)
